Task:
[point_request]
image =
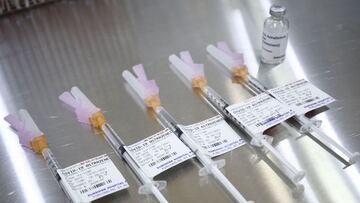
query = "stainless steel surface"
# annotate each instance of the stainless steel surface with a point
(45, 51)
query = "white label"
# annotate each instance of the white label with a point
(301, 96)
(274, 45)
(92, 179)
(214, 135)
(159, 152)
(260, 113)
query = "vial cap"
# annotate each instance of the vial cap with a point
(277, 10)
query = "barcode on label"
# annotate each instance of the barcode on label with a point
(269, 119)
(215, 144)
(307, 101)
(162, 159)
(95, 186)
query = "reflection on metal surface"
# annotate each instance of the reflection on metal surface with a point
(351, 172)
(21, 166)
(241, 38)
(286, 149)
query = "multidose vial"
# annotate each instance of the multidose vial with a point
(275, 36)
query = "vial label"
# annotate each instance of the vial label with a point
(274, 46)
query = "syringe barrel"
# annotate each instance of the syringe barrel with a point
(168, 121)
(295, 175)
(220, 104)
(117, 144)
(215, 98)
(113, 139)
(51, 162)
(203, 158)
(256, 83)
(143, 178)
(53, 165)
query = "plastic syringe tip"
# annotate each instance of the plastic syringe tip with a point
(231, 60)
(29, 134)
(239, 69)
(149, 86)
(197, 69)
(14, 122)
(192, 71)
(146, 89)
(238, 58)
(85, 110)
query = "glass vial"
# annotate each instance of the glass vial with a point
(275, 36)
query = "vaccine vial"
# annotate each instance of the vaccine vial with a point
(275, 36)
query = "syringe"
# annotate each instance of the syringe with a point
(194, 73)
(149, 93)
(31, 137)
(87, 112)
(232, 61)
